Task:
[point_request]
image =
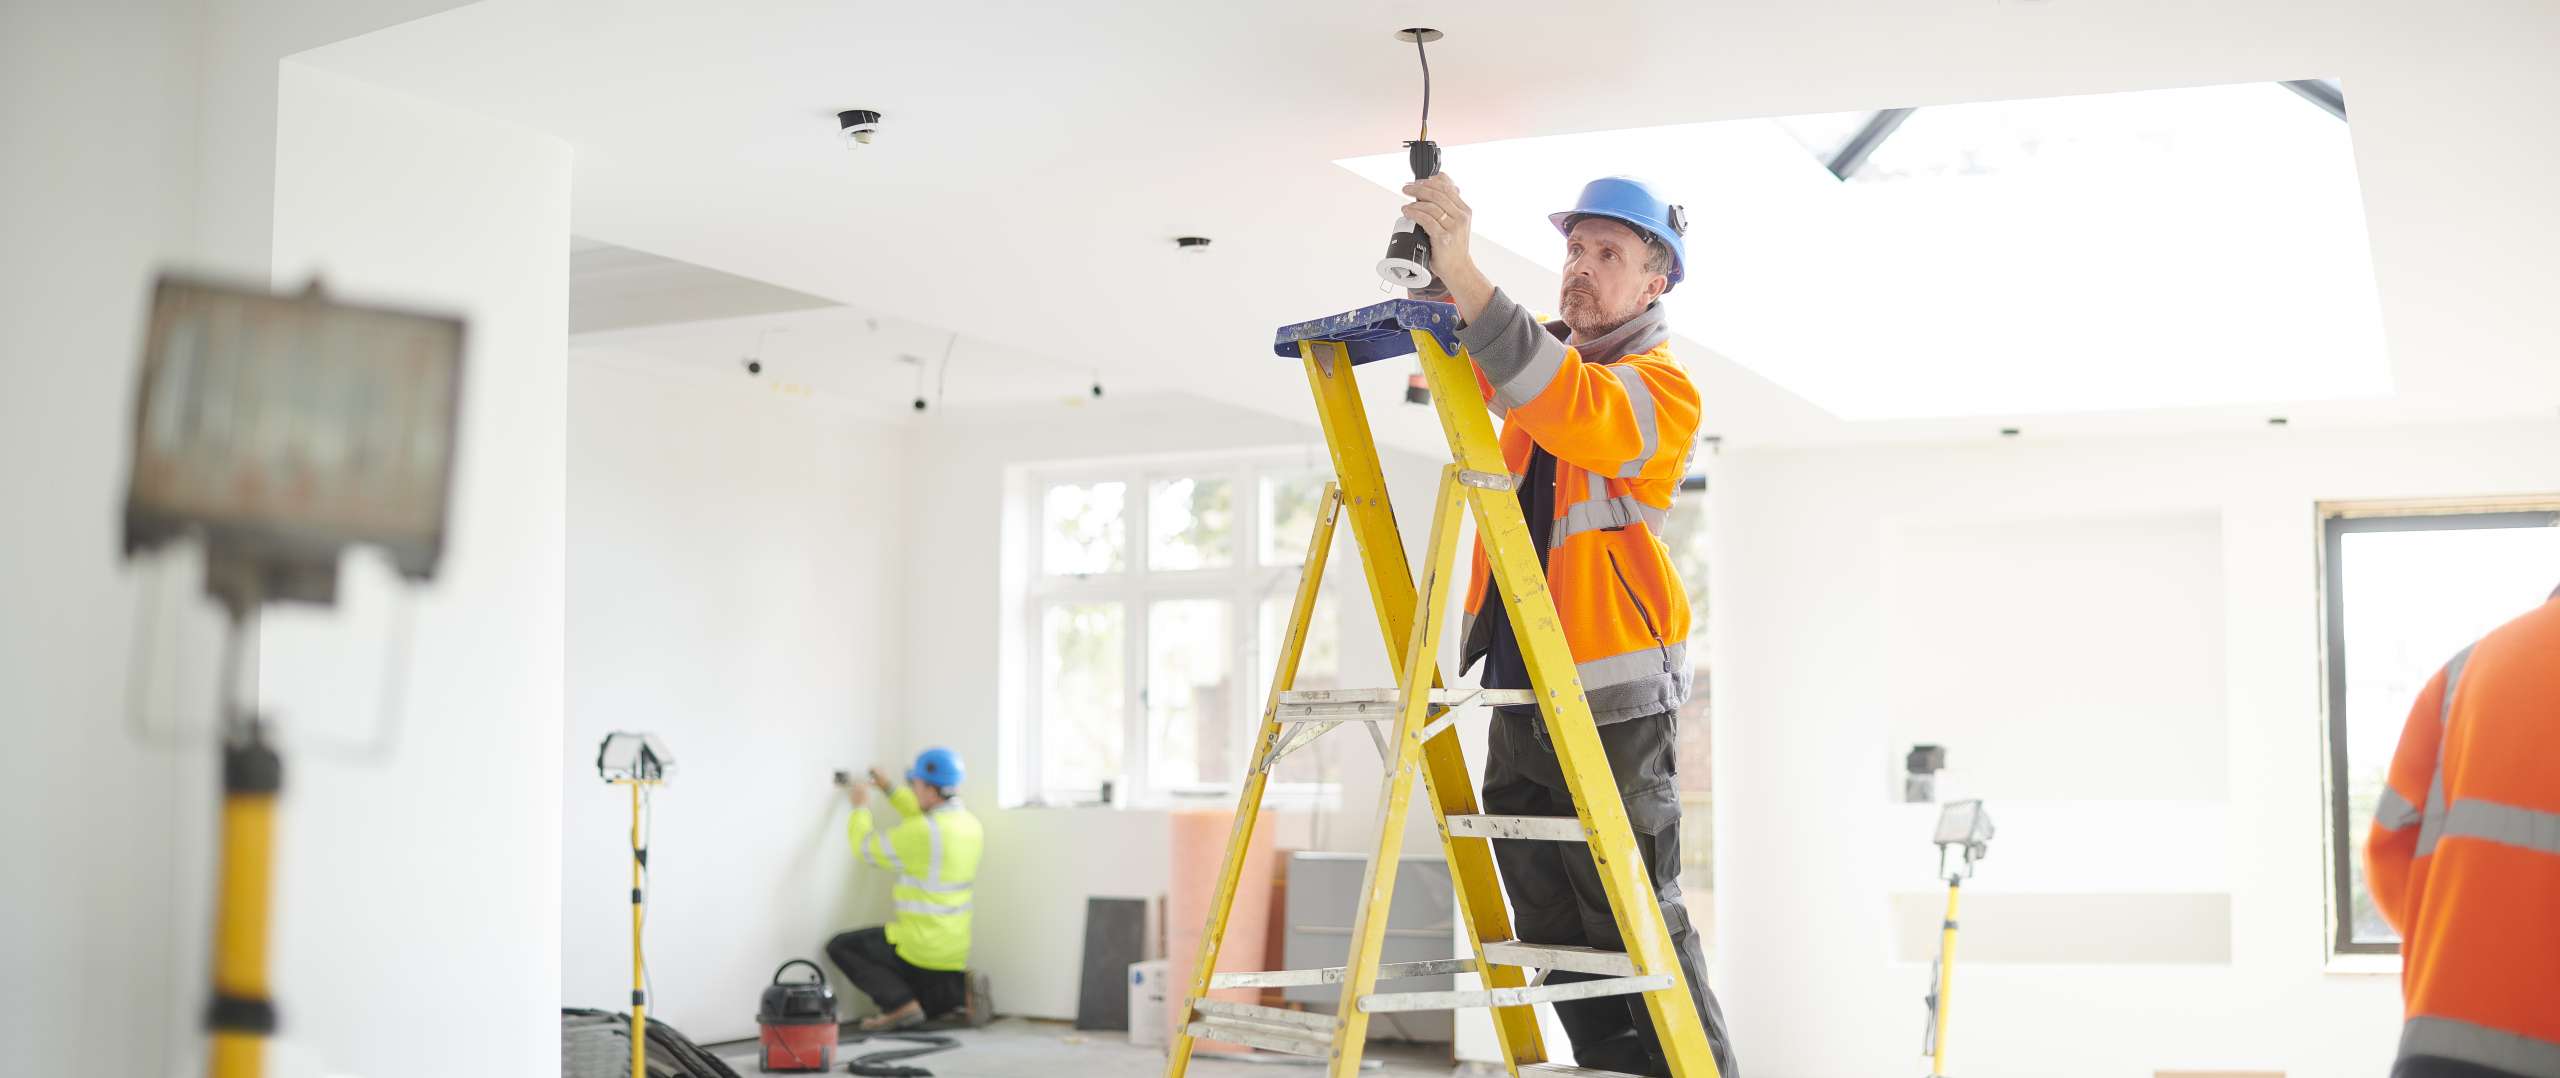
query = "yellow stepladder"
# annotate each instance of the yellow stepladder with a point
(1421, 715)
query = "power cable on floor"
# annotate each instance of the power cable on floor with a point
(888, 1064)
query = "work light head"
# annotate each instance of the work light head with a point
(630, 757)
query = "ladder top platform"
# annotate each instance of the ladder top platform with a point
(1375, 332)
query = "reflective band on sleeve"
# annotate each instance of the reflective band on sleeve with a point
(884, 853)
(2448, 1038)
(1632, 666)
(929, 909)
(1546, 360)
(1639, 402)
(2431, 827)
(2489, 821)
(2394, 812)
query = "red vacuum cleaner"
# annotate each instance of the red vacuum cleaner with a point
(798, 1021)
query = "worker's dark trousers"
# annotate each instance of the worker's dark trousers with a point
(872, 964)
(1555, 889)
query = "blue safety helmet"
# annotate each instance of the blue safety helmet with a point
(1627, 199)
(937, 767)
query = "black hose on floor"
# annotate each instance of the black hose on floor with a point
(887, 1064)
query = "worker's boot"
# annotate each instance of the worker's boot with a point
(980, 1008)
(906, 1017)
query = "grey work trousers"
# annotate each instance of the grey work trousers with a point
(1555, 889)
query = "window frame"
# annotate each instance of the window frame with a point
(2337, 521)
(1241, 586)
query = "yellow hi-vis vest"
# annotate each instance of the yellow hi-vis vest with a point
(935, 855)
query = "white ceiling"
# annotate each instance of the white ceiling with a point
(2073, 254)
(616, 287)
(877, 363)
(1038, 159)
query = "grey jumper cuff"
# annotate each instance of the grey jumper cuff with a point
(1518, 356)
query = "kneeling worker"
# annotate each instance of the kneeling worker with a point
(916, 966)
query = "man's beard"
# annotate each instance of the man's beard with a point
(1589, 303)
(1579, 306)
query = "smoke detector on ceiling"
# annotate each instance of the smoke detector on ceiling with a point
(858, 125)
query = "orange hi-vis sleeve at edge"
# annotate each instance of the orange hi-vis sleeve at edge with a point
(2464, 855)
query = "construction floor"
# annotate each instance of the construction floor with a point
(1018, 1047)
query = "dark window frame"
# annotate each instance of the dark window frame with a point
(2336, 522)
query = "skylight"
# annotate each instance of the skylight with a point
(2161, 249)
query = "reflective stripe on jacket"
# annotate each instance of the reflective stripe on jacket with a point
(1621, 429)
(935, 855)
(2464, 856)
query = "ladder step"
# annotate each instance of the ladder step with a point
(1559, 1070)
(1512, 997)
(1382, 705)
(1269, 1016)
(1274, 1038)
(1560, 956)
(1548, 828)
(1299, 978)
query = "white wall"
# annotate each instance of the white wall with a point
(1808, 602)
(230, 120)
(88, 927)
(422, 889)
(735, 588)
(1042, 863)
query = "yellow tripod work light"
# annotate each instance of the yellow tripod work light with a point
(274, 432)
(1962, 826)
(638, 761)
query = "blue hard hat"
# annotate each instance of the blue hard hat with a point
(938, 767)
(1630, 200)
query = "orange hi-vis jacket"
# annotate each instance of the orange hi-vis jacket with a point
(2464, 857)
(1621, 424)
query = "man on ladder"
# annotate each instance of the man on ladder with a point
(1598, 424)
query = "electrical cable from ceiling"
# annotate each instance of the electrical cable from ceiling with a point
(1416, 390)
(1407, 264)
(1425, 57)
